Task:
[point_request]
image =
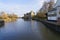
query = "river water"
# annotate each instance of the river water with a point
(27, 30)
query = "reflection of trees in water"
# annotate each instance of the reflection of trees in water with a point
(2, 23)
(10, 27)
(1, 27)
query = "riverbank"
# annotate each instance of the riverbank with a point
(52, 25)
(1, 23)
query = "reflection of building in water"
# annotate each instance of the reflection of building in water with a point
(54, 14)
(29, 15)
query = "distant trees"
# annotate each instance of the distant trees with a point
(51, 4)
(8, 17)
(12, 16)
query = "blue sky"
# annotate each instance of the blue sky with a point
(20, 7)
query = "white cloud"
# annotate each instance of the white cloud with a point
(21, 9)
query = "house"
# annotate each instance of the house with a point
(29, 15)
(54, 14)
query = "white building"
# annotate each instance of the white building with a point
(54, 14)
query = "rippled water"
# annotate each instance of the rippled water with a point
(27, 30)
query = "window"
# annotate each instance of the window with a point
(52, 13)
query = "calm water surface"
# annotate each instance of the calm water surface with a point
(27, 30)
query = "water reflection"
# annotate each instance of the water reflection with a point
(48, 34)
(26, 30)
(43, 32)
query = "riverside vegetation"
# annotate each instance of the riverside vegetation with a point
(8, 17)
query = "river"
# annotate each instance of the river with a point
(27, 30)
